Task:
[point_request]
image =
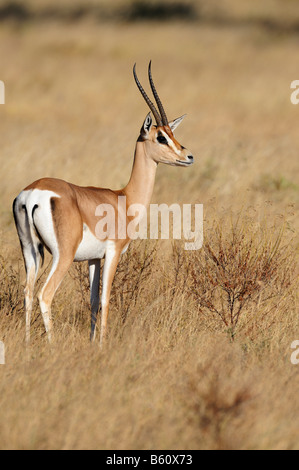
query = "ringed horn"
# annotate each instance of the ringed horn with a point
(161, 119)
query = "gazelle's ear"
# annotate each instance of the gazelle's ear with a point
(146, 127)
(174, 124)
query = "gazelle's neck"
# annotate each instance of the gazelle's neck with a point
(140, 188)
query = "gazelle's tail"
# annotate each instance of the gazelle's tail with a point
(31, 243)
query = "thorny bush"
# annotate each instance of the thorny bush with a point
(239, 266)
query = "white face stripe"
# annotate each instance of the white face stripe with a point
(170, 142)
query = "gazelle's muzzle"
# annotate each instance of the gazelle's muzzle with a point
(186, 159)
(189, 161)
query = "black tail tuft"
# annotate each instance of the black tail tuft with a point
(41, 252)
(40, 245)
(14, 210)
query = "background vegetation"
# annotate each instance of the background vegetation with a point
(199, 349)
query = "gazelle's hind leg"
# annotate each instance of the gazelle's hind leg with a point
(32, 271)
(32, 250)
(62, 241)
(59, 269)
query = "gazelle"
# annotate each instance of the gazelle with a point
(61, 217)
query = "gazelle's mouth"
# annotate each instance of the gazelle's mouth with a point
(184, 163)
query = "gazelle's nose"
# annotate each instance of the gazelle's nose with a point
(190, 158)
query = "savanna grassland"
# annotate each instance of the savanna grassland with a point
(199, 350)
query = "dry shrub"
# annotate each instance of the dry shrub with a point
(133, 272)
(243, 267)
(11, 292)
(80, 275)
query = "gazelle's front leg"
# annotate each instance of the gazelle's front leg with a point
(111, 261)
(94, 278)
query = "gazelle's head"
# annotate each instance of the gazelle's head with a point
(161, 144)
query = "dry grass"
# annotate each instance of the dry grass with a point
(199, 347)
(169, 378)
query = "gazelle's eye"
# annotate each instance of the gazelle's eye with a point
(162, 140)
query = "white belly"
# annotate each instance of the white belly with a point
(90, 247)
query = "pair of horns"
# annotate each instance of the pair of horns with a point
(161, 119)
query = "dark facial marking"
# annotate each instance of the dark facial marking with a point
(161, 139)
